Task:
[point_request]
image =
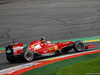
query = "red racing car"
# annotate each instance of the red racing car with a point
(40, 48)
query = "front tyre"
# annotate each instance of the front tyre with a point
(79, 46)
(28, 55)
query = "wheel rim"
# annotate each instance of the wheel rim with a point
(28, 56)
(79, 46)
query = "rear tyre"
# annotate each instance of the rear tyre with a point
(79, 46)
(11, 59)
(28, 55)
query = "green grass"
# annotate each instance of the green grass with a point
(90, 66)
(50, 69)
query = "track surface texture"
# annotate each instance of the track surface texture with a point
(28, 20)
(55, 19)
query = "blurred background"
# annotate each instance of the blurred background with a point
(28, 20)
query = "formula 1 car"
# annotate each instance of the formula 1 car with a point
(40, 48)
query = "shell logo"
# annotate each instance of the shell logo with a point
(56, 47)
(50, 49)
(32, 46)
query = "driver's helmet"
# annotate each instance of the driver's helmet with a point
(42, 39)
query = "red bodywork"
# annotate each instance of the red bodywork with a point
(17, 49)
(45, 48)
(90, 46)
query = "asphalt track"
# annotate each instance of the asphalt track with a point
(25, 21)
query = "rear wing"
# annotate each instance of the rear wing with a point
(17, 49)
(14, 49)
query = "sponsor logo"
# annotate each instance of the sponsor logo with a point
(8, 51)
(56, 47)
(48, 54)
(32, 46)
(15, 48)
(50, 49)
(45, 51)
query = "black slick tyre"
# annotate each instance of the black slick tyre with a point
(28, 56)
(79, 46)
(11, 59)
